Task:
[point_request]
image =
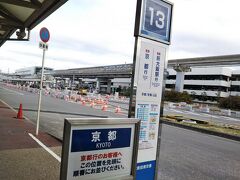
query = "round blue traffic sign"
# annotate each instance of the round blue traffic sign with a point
(44, 34)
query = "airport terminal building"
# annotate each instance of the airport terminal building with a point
(31, 71)
(210, 81)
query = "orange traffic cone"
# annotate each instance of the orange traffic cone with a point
(118, 110)
(20, 113)
(83, 103)
(104, 107)
(92, 104)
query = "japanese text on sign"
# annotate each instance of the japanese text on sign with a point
(99, 163)
(99, 148)
(100, 139)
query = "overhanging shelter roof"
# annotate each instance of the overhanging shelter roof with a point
(24, 14)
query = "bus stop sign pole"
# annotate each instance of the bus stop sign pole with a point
(152, 39)
(44, 36)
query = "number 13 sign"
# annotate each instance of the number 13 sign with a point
(155, 20)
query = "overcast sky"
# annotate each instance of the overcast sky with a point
(100, 32)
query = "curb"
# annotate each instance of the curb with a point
(223, 135)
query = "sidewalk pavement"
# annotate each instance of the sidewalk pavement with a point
(21, 157)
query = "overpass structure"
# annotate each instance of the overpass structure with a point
(107, 73)
(226, 60)
(110, 72)
(181, 66)
(125, 70)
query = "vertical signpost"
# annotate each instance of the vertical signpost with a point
(152, 37)
(44, 36)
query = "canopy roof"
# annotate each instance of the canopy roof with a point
(21, 15)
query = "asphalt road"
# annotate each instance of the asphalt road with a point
(184, 154)
(203, 116)
(192, 114)
(53, 110)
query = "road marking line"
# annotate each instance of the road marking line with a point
(8, 105)
(39, 142)
(229, 118)
(45, 147)
(16, 111)
(209, 115)
(189, 112)
(13, 91)
(177, 111)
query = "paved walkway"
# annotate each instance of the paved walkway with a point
(21, 157)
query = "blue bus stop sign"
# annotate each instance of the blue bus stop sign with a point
(44, 34)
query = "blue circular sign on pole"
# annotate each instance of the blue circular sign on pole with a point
(44, 34)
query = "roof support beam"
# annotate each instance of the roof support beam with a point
(4, 28)
(10, 23)
(9, 16)
(34, 4)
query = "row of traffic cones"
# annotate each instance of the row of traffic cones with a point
(92, 104)
(117, 110)
(104, 106)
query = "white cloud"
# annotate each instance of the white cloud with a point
(100, 32)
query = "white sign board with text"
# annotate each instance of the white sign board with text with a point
(149, 72)
(98, 151)
(153, 35)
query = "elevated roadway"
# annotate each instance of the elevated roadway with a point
(227, 60)
(113, 71)
(125, 70)
(184, 154)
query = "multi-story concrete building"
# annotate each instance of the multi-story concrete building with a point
(235, 83)
(212, 82)
(31, 71)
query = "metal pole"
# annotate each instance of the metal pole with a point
(40, 93)
(131, 109)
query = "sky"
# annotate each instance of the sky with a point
(86, 33)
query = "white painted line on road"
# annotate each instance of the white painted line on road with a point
(45, 147)
(198, 114)
(13, 91)
(177, 111)
(229, 118)
(209, 115)
(189, 112)
(8, 105)
(15, 110)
